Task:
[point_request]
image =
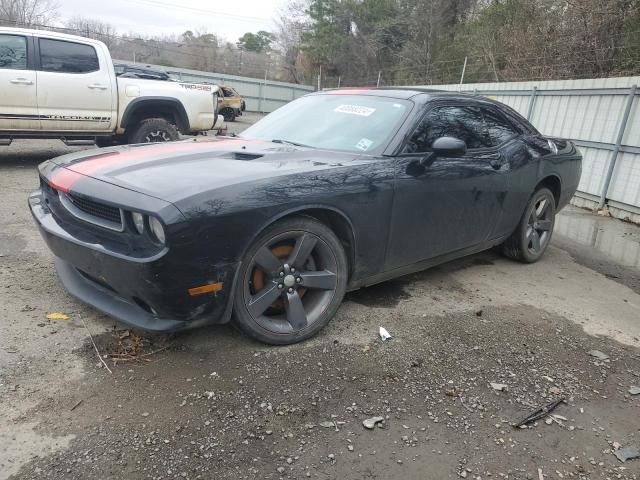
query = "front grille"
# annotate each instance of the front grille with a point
(90, 211)
(96, 209)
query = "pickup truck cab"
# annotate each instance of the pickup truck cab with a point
(54, 85)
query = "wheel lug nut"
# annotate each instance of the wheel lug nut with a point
(280, 285)
(298, 280)
(293, 270)
(282, 274)
(291, 290)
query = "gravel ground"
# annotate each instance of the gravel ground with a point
(213, 404)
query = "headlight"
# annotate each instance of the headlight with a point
(156, 229)
(138, 221)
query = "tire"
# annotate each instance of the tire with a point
(229, 114)
(291, 282)
(243, 106)
(111, 141)
(154, 130)
(529, 241)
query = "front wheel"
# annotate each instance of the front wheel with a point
(291, 282)
(154, 130)
(533, 234)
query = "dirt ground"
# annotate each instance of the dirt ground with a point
(212, 404)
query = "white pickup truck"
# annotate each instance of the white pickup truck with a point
(54, 85)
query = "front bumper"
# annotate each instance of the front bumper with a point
(149, 293)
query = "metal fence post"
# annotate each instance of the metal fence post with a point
(532, 102)
(616, 149)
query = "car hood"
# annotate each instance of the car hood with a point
(173, 171)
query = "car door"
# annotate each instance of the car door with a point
(74, 87)
(18, 94)
(442, 205)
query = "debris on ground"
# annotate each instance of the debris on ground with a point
(634, 390)
(57, 316)
(384, 334)
(327, 424)
(500, 387)
(370, 423)
(598, 354)
(539, 413)
(627, 453)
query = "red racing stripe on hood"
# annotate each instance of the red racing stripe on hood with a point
(64, 178)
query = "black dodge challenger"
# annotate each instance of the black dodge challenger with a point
(335, 191)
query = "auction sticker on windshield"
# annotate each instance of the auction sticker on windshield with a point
(355, 110)
(364, 144)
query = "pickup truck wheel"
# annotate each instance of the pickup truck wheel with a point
(111, 141)
(291, 282)
(530, 240)
(153, 130)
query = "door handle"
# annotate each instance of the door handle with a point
(21, 81)
(97, 86)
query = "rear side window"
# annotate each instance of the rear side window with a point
(67, 57)
(13, 52)
(465, 123)
(499, 130)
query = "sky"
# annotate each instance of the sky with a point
(228, 19)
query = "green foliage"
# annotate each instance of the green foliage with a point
(256, 42)
(426, 41)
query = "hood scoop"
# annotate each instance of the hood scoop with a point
(241, 156)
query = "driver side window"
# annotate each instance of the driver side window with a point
(465, 123)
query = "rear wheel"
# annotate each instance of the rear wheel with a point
(530, 240)
(229, 114)
(154, 130)
(291, 282)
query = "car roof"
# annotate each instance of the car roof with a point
(406, 93)
(400, 92)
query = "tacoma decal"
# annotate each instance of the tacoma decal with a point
(194, 86)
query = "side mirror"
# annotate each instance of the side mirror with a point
(448, 147)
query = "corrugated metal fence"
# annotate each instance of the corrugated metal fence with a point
(260, 95)
(602, 116)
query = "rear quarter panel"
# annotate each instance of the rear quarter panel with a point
(199, 100)
(530, 162)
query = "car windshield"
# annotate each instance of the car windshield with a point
(353, 123)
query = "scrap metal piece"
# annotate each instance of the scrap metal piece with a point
(540, 413)
(627, 453)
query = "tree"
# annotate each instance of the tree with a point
(292, 23)
(91, 28)
(27, 12)
(256, 42)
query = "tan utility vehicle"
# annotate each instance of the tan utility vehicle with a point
(230, 103)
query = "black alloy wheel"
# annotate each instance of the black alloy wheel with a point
(539, 225)
(291, 283)
(533, 234)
